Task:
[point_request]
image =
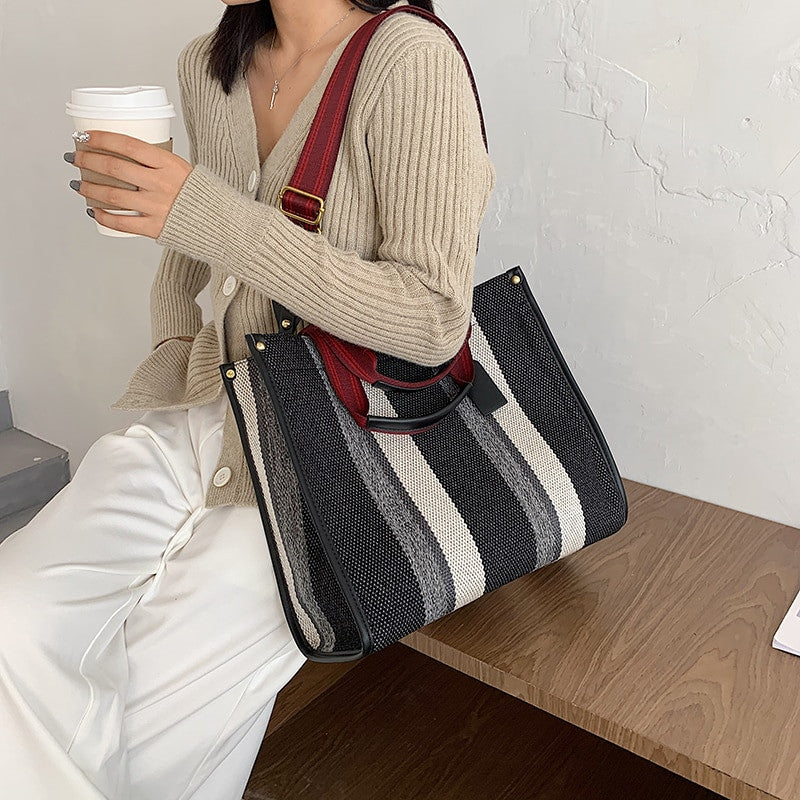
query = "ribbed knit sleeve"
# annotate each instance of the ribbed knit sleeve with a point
(432, 180)
(174, 310)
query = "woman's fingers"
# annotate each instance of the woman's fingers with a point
(159, 176)
(130, 146)
(129, 199)
(143, 177)
(142, 174)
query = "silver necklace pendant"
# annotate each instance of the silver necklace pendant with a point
(272, 42)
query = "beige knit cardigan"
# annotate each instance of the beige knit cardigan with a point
(392, 267)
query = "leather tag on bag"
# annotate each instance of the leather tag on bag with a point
(106, 180)
(484, 393)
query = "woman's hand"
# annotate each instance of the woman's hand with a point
(159, 176)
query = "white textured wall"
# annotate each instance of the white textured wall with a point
(647, 158)
(3, 369)
(4, 267)
(74, 310)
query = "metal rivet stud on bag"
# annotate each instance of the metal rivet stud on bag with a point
(260, 346)
(286, 323)
(231, 373)
(515, 279)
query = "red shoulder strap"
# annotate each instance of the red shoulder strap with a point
(303, 198)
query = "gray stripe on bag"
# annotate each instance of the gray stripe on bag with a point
(408, 525)
(521, 479)
(285, 493)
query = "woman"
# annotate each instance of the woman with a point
(142, 640)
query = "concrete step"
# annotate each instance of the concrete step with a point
(5, 411)
(19, 520)
(32, 471)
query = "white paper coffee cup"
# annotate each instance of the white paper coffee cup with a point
(140, 111)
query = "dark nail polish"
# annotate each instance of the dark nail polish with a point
(75, 185)
(90, 212)
(69, 157)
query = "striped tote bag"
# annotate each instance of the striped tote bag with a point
(394, 493)
(373, 534)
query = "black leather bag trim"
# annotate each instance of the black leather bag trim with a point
(282, 313)
(587, 412)
(346, 588)
(291, 618)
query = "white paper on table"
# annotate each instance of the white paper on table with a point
(787, 637)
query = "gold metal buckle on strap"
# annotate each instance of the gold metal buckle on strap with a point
(315, 221)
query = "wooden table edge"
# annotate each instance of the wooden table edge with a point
(680, 763)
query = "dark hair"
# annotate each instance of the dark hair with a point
(242, 26)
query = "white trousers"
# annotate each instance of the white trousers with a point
(142, 639)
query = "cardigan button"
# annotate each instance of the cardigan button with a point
(251, 184)
(222, 476)
(229, 285)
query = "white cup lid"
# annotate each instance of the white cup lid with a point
(120, 102)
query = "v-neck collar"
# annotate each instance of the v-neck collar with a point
(242, 121)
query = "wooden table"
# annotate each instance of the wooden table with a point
(401, 726)
(657, 639)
